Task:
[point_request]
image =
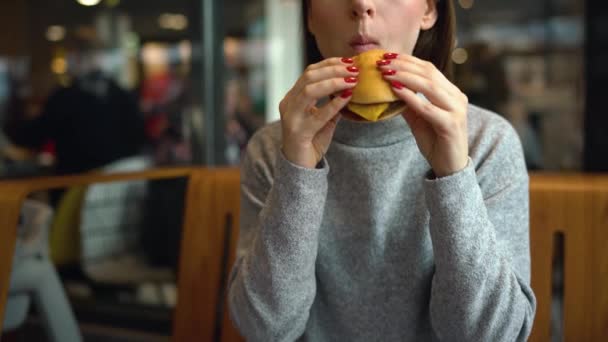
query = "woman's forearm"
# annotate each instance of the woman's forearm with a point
(481, 287)
(273, 285)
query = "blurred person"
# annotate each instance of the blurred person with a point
(241, 119)
(163, 98)
(91, 123)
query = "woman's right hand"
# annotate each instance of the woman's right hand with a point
(308, 129)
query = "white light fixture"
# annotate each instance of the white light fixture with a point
(55, 33)
(88, 2)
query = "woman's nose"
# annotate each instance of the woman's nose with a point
(363, 8)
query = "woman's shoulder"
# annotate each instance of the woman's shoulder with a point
(494, 145)
(486, 129)
(264, 146)
(485, 122)
(267, 138)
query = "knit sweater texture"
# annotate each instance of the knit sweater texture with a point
(369, 246)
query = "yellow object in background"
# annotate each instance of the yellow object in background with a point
(65, 231)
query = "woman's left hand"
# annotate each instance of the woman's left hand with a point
(439, 122)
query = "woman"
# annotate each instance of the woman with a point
(409, 230)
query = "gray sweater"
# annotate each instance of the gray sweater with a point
(368, 247)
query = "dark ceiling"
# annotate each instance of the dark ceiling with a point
(238, 13)
(143, 15)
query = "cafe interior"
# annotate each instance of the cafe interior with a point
(122, 224)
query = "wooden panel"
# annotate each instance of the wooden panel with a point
(212, 196)
(599, 261)
(577, 206)
(195, 301)
(541, 249)
(229, 191)
(577, 261)
(11, 198)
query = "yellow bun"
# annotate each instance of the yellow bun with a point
(373, 98)
(372, 88)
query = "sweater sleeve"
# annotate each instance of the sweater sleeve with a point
(480, 234)
(272, 284)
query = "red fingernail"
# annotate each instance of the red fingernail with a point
(390, 55)
(397, 84)
(352, 68)
(347, 93)
(350, 79)
(347, 60)
(383, 62)
(389, 72)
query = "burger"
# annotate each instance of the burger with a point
(373, 98)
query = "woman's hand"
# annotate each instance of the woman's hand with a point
(308, 129)
(439, 124)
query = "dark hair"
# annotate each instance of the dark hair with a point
(434, 45)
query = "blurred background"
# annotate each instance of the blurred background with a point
(115, 85)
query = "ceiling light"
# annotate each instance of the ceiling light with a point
(88, 2)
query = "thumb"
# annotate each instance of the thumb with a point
(410, 117)
(326, 133)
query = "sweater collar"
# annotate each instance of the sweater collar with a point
(372, 134)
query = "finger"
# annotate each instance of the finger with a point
(314, 91)
(331, 61)
(437, 117)
(327, 69)
(407, 58)
(401, 64)
(436, 93)
(330, 111)
(327, 72)
(419, 67)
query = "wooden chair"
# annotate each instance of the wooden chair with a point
(577, 207)
(207, 256)
(207, 251)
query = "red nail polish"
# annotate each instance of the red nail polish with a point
(350, 79)
(397, 84)
(347, 60)
(389, 72)
(352, 68)
(383, 62)
(347, 93)
(390, 55)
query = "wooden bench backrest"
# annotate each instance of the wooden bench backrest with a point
(577, 207)
(212, 205)
(207, 254)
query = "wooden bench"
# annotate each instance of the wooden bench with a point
(574, 205)
(209, 237)
(577, 207)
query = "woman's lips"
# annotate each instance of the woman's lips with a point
(362, 47)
